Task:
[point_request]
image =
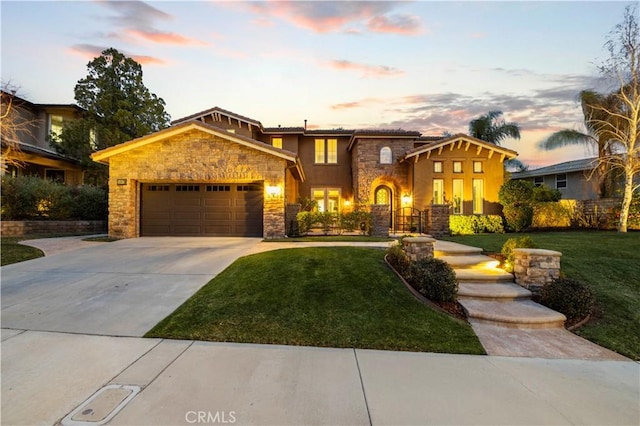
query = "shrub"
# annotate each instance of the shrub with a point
(553, 214)
(305, 221)
(568, 296)
(397, 257)
(434, 279)
(543, 194)
(516, 192)
(475, 224)
(326, 219)
(512, 243)
(518, 217)
(30, 197)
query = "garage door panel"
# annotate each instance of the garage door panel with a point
(202, 209)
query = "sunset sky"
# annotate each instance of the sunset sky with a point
(426, 66)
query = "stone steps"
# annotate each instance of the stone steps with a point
(494, 275)
(472, 261)
(515, 313)
(487, 291)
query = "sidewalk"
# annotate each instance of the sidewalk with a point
(186, 382)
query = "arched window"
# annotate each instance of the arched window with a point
(385, 155)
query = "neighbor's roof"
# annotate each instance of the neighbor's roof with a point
(459, 138)
(42, 152)
(216, 110)
(104, 155)
(566, 167)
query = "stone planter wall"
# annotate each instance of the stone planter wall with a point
(418, 248)
(15, 228)
(438, 220)
(534, 268)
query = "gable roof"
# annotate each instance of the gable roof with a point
(460, 139)
(104, 155)
(566, 167)
(217, 111)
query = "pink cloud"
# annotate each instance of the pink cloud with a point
(90, 51)
(376, 71)
(478, 35)
(396, 24)
(156, 36)
(356, 104)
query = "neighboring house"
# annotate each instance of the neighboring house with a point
(576, 180)
(34, 155)
(220, 173)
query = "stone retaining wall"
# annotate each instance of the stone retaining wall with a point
(418, 248)
(535, 268)
(438, 220)
(14, 228)
(380, 220)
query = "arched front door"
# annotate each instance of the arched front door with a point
(383, 195)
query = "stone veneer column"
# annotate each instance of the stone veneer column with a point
(274, 217)
(439, 220)
(534, 268)
(380, 220)
(418, 248)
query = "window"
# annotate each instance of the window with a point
(158, 188)
(187, 188)
(457, 167)
(438, 191)
(437, 167)
(55, 125)
(328, 199)
(54, 175)
(478, 196)
(477, 167)
(326, 151)
(386, 157)
(218, 188)
(561, 180)
(538, 180)
(276, 142)
(458, 196)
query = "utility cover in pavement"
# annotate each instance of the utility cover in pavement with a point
(101, 406)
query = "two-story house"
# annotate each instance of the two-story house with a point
(218, 173)
(33, 124)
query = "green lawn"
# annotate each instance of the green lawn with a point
(331, 238)
(12, 252)
(609, 262)
(333, 296)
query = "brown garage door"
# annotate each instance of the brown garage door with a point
(233, 210)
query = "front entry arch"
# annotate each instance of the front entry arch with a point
(384, 195)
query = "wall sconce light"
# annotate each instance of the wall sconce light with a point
(274, 191)
(121, 181)
(406, 199)
(347, 203)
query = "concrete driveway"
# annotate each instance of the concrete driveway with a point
(122, 288)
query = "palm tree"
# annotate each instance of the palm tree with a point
(595, 107)
(490, 128)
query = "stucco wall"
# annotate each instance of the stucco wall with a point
(191, 157)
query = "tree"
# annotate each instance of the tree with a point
(491, 128)
(613, 120)
(15, 123)
(118, 108)
(594, 136)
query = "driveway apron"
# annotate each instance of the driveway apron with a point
(121, 288)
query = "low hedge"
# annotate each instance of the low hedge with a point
(356, 220)
(33, 198)
(512, 243)
(475, 224)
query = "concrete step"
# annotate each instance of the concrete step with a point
(487, 291)
(474, 261)
(494, 275)
(447, 248)
(518, 313)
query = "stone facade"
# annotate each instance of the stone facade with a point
(368, 172)
(418, 248)
(14, 228)
(534, 268)
(193, 156)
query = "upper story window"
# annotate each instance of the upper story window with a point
(276, 142)
(55, 125)
(538, 180)
(326, 151)
(477, 167)
(437, 167)
(457, 167)
(561, 180)
(386, 157)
